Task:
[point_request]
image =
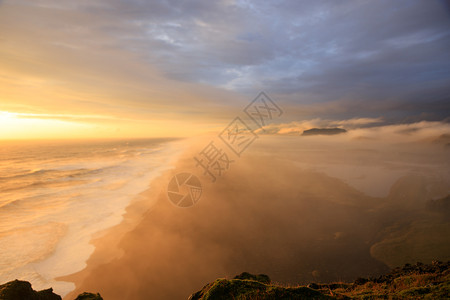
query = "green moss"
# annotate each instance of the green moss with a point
(441, 291)
(260, 278)
(417, 281)
(244, 289)
(404, 281)
(239, 289)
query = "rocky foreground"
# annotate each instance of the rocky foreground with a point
(410, 282)
(417, 281)
(21, 290)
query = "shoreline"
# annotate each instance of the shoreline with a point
(107, 242)
(133, 213)
(64, 195)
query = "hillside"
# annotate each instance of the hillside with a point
(411, 281)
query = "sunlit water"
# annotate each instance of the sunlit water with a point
(54, 196)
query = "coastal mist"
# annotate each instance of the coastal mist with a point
(299, 209)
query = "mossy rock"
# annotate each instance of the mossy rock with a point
(248, 288)
(415, 292)
(247, 276)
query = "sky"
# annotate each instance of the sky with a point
(135, 68)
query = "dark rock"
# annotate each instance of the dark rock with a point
(361, 281)
(89, 296)
(313, 286)
(21, 290)
(335, 286)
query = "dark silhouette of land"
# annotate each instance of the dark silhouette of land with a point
(324, 131)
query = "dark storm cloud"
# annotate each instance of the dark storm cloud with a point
(395, 52)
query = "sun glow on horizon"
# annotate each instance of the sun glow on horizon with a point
(32, 126)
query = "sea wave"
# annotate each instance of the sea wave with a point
(69, 194)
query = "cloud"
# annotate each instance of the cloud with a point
(343, 60)
(366, 129)
(357, 122)
(403, 133)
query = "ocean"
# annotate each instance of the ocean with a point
(54, 196)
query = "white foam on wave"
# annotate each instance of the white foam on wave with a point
(82, 210)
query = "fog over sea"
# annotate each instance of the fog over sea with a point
(298, 208)
(56, 196)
